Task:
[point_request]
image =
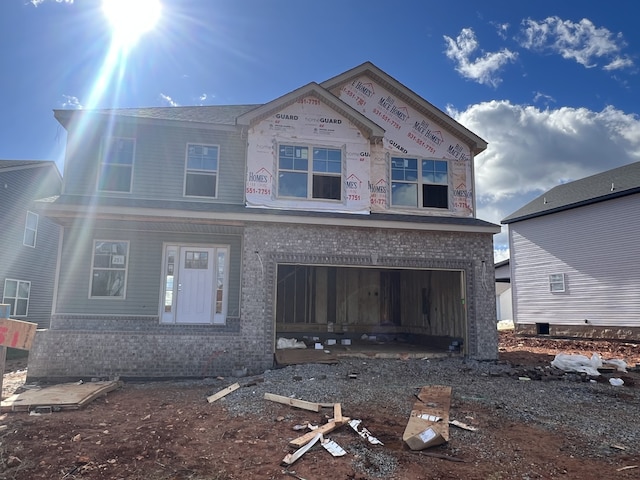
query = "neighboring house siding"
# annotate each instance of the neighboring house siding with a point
(144, 275)
(18, 189)
(504, 311)
(596, 248)
(159, 162)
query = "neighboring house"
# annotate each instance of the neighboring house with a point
(504, 310)
(574, 258)
(29, 241)
(194, 237)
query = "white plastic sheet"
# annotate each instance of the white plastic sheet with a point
(578, 363)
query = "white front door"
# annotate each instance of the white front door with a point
(195, 286)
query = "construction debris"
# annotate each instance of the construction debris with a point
(65, 396)
(428, 424)
(363, 432)
(290, 458)
(464, 426)
(337, 413)
(332, 447)
(294, 402)
(222, 393)
(326, 428)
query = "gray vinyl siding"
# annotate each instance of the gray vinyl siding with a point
(18, 189)
(596, 247)
(144, 271)
(83, 158)
(159, 163)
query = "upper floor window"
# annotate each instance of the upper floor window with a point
(315, 177)
(419, 183)
(116, 167)
(109, 269)
(16, 294)
(30, 229)
(201, 176)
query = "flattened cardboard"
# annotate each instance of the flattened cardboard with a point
(428, 424)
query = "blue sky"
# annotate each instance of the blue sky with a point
(553, 86)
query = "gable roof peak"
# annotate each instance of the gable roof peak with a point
(475, 143)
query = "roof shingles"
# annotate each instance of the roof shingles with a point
(603, 186)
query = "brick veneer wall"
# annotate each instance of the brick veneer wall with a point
(140, 347)
(265, 245)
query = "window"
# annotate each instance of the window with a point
(30, 229)
(295, 180)
(419, 183)
(556, 282)
(109, 269)
(201, 175)
(116, 168)
(16, 294)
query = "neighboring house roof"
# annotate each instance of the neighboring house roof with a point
(614, 183)
(503, 272)
(476, 143)
(10, 165)
(6, 164)
(372, 129)
(210, 114)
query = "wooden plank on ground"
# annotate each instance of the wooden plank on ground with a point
(326, 428)
(222, 393)
(294, 402)
(337, 413)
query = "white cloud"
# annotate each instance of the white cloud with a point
(501, 29)
(532, 150)
(583, 41)
(619, 63)
(170, 101)
(71, 102)
(544, 98)
(483, 69)
(35, 3)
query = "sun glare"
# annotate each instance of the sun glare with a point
(130, 19)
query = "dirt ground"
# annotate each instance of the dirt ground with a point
(170, 432)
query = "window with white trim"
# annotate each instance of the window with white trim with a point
(116, 165)
(201, 173)
(556, 283)
(16, 294)
(318, 176)
(30, 229)
(419, 183)
(109, 269)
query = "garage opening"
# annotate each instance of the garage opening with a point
(418, 307)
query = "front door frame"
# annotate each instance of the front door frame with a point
(216, 289)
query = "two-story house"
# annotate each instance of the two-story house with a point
(29, 241)
(194, 237)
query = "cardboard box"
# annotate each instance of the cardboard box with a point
(428, 424)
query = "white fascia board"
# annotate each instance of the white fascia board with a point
(235, 218)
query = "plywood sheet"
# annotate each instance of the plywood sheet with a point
(66, 396)
(295, 356)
